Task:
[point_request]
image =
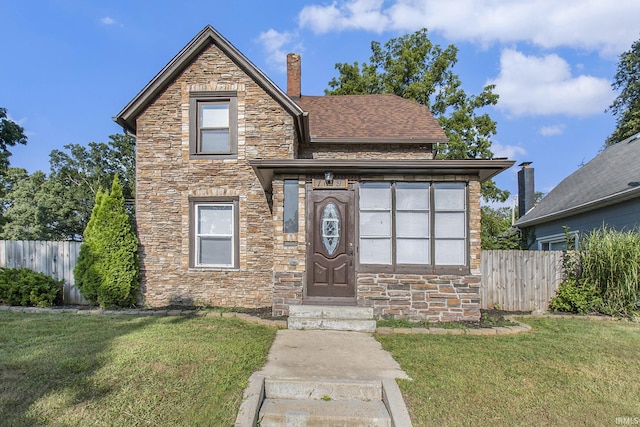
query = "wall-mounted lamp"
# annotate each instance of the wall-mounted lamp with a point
(328, 178)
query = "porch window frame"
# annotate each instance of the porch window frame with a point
(196, 100)
(431, 267)
(194, 203)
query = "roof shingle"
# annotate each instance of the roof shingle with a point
(611, 175)
(365, 117)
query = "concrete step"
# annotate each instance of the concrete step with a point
(331, 312)
(355, 325)
(339, 318)
(320, 413)
(322, 389)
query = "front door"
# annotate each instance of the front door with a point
(330, 231)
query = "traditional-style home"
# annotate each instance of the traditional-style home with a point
(605, 191)
(249, 196)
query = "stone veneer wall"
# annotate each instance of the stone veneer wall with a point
(167, 177)
(289, 252)
(443, 298)
(365, 151)
(448, 297)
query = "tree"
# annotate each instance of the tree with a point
(626, 106)
(496, 231)
(24, 216)
(10, 134)
(76, 176)
(58, 206)
(413, 67)
(107, 268)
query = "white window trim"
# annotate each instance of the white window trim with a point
(194, 236)
(556, 238)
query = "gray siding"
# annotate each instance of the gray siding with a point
(622, 216)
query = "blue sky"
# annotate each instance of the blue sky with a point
(69, 66)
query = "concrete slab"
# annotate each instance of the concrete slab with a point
(337, 355)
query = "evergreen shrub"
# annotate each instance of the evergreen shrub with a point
(21, 286)
(107, 268)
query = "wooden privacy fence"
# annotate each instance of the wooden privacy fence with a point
(55, 259)
(519, 280)
(511, 280)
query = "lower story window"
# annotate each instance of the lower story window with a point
(413, 224)
(214, 241)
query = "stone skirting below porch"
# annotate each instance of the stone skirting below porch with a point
(413, 296)
(436, 298)
(287, 290)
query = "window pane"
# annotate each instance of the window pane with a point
(412, 224)
(214, 141)
(450, 252)
(375, 195)
(449, 196)
(412, 251)
(412, 195)
(214, 115)
(290, 206)
(450, 224)
(375, 251)
(215, 220)
(215, 251)
(375, 223)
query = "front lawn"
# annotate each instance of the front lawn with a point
(563, 372)
(78, 370)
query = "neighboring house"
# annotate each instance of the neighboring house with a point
(605, 191)
(247, 196)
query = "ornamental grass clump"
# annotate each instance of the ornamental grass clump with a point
(610, 260)
(602, 275)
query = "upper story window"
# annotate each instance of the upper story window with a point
(407, 226)
(213, 124)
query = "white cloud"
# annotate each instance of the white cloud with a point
(606, 27)
(354, 14)
(274, 44)
(508, 151)
(551, 130)
(531, 85)
(108, 20)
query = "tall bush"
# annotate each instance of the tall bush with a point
(610, 259)
(603, 274)
(107, 266)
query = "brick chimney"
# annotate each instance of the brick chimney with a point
(293, 75)
(526, 189)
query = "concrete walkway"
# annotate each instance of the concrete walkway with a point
(328, 378)
(326, 355)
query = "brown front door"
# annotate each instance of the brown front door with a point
(330, 231)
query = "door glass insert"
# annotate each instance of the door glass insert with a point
(330, 228)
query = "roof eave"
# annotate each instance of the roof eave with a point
(347, 140)
(629, 194)
(483, 169)
(127, 117)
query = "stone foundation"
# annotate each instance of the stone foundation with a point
(415, 297)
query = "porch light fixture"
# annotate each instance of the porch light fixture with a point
(328, 178)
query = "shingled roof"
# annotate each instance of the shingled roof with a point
(610, 177)
(370, 118)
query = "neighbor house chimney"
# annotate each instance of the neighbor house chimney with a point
(526, 189)
(293, 75)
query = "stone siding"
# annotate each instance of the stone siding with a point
(167, 177)
(414, 296)
(366, 151)
(289, 252)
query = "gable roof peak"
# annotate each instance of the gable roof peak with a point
(208, 35)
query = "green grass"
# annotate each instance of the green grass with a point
(73, 370)
(564, 372)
